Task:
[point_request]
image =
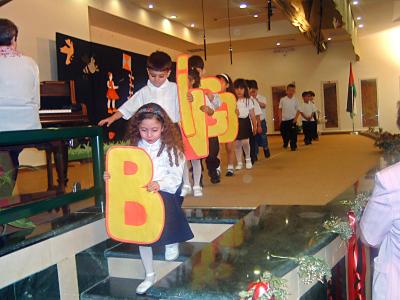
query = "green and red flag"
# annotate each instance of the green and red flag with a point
(351, 95)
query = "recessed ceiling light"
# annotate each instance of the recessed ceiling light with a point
(243, 5)
(192, 25)
(255, 16)
(173, 17)
(359, 18)
(360, 25)
(329, 39)
(278, 44)
(355, 2)
(151, 6)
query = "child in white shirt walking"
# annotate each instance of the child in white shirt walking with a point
(288, 114)
(307, 111)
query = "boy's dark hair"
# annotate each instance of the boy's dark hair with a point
(311, 93)
(8, 31)
(159, 61)
(304, 94)
(291, 85)
(241, 83)
(252, 84)
(196, 61)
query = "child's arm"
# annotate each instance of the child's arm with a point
(253, 120)
(108, 121)
(258, 119)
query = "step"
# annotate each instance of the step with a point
(215, 215)
(124, 260)
(114, 288)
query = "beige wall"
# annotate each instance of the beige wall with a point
(380, 59)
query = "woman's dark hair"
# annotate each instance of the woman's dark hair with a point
(195, 61)
(228, 80)
(241, 84)
(170, 136)
(8, 31)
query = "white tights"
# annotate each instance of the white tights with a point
(196, 164)
(239, 145)
(146, 254)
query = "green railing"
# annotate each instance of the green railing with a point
(13, 138)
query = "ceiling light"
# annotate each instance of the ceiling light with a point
(173, 17)
(255, 16)
(360, 25)
(151, 6)
(329, 39)
(359, 18)
(243, 5)
(192, 25)
(278, 44)
(355, 2)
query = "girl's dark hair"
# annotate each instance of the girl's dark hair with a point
(195, 61)
(241, 83)
(228, 80)
(170, 137)
(195, 77)
(8, 31)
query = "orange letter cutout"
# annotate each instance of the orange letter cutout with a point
(133, 215)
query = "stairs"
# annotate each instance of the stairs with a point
(125, 270)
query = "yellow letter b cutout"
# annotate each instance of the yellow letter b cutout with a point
(133, 215)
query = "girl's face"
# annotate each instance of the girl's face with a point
(239, 92)
(110, 76)
(224, 84)
(150, 130)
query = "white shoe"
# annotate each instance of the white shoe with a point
(248, 164)
(146, 284)
(171, 252)
(186, 190)
(239, 166)
(197, 191)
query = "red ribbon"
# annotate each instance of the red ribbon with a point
(355, 279)
(260, 288)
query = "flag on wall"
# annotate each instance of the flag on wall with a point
(351, 95)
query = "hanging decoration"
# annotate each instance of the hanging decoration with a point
(320, 27)
(204, 31)
(269, 14)
(229, 30)
(267, 287)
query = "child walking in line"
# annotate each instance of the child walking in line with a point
(307, 111)
(316, 114)
(261, 138)
(194, 82)
(247, 123)
(288, 114)
(227, 86)
(212, 161)
(152, 130)
(252, 139)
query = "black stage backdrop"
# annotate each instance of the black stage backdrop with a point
(90, 65)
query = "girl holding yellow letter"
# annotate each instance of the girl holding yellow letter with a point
(153, 131)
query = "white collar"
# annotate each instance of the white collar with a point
(147, 145)
(152, 86)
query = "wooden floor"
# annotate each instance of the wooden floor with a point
(312, 175)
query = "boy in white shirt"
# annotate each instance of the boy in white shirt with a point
(307, 111)
(261, 138)
(315, 136)
(158, 90)
(288, 114)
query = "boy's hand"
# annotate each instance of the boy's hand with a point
(108, 121)
(254, 131)
(189, 97)
(153, 187)
(106, 176)
(209, 94)
(209, 111)
(237, 112)
(259, 129)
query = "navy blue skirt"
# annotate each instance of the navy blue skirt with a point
(176, 228)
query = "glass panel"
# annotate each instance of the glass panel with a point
(330, 105)
(369, 99)
(277, 93)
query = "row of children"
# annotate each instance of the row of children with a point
(289, 112)
(154, 115)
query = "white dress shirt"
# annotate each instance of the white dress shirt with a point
(19, 91)
(308, 109)
(257, 108)
(261, 99)
(166, 96)
(289, 106)
(169, 178)
(244, 106)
